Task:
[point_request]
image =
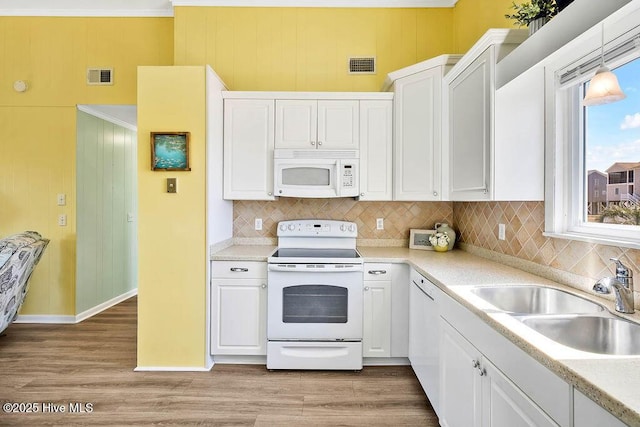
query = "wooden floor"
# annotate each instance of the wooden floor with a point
(49, 367)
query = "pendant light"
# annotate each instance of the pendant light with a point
(603, 87)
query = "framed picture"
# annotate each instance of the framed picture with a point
(170, 151)
(419, 239)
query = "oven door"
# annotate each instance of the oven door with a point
(317, 303)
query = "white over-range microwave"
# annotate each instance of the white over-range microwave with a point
(316, 173)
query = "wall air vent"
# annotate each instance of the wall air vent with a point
(362, 65)
(99, 76)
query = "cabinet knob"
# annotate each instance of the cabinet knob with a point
(366, 288)
(263, 286)
(435, 194)
(361, 194)
(313, 143)
(270, 193)
(475, 363)
(483, 371)
(319, 143)
(239, 269)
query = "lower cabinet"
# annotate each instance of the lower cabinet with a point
(587, 413)
(376, 334)
(386, 318)
(476, 393)
(239, 308)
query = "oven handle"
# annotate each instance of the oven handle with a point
(326, 268)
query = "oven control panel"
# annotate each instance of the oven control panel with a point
(310, 227)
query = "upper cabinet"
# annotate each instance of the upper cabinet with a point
(471, 150)
(323, 124)
(418, 128)
(248, 149)
(376, 138)
(255, 123)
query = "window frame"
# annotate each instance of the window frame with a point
(566, 180)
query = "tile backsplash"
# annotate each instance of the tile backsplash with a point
(477, 223)
(399, 217)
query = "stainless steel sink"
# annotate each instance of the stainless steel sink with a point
(594, 334)
(535, 300)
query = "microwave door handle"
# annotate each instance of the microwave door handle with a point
(339, 178)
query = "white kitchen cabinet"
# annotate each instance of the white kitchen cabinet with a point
(587, 413)
(424, 335)
(324, 124)
(248, 149)
(461, 384)
(470, 152)
(376, 138)
(518, 386)
(418, 128)
(239, 308)
(386, 303)
(476, 393)
(376, 338)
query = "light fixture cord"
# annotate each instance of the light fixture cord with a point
(602, 46)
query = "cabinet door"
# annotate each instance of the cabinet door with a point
(338, 125)
(248, 149)
(296, 123)
(460, 381)
(376, 339)
(471, 130)
(505, 405)
(375, 150)
(239, 316)
(587, 413)
(418, 136)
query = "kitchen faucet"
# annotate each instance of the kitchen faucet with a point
(622, 285)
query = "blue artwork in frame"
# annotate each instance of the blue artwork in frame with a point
(170, 151)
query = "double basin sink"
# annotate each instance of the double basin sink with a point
(565, 318)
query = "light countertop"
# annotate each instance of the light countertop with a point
(612, 381)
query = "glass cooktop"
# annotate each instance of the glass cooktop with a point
(316, 253)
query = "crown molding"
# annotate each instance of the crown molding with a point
(103, 8)
(319, 3)
(164, 8)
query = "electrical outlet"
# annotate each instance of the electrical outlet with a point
(501, 232)
(258, 224)
(62, 199)
(129, 217)
(379, 223)
(62, 220)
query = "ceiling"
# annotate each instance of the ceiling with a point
(165, 7)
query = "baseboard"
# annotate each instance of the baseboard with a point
(240, 360)
(105, 305)
(69, 319)
(171, 369)
(385, 361)
(45, 318)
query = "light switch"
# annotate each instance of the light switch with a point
(172, 185)
(62, 199)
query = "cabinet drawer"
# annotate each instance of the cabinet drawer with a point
(377, 272)
(238, 269)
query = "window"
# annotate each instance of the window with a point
(588, 141)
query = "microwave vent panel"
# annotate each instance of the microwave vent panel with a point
(362, 65)
(99, 76)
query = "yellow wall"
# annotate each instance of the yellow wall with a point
(38, 127)
(472, 18)
(171, 227)
(306, 49)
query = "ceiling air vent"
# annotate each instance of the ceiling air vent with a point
(99, 76)
(362, 65)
